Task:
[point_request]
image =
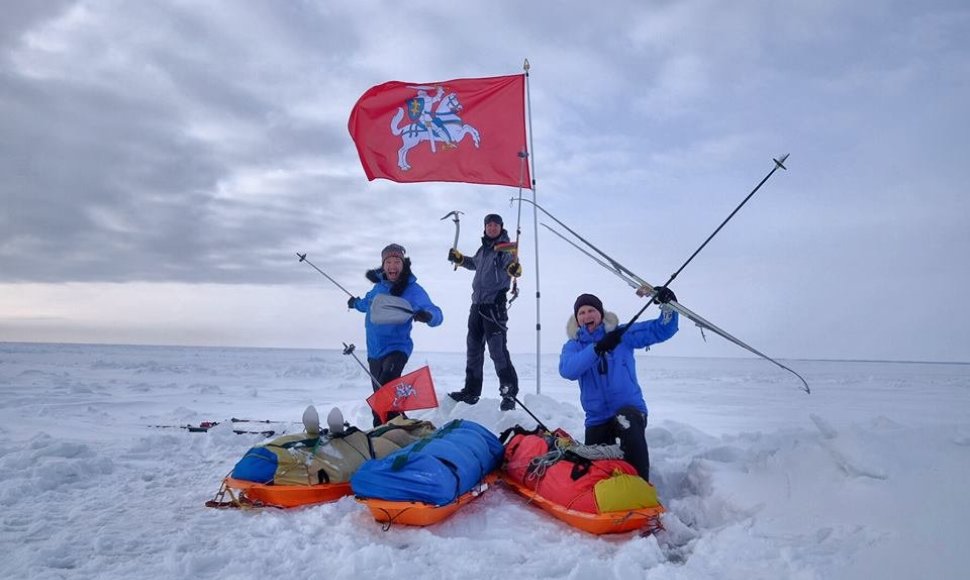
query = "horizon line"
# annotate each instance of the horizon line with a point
(143, 345)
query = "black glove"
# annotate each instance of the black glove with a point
(514, 269)
(455, 256)
(422, 316)
(352, 302)
(665, 295)
(609, 342)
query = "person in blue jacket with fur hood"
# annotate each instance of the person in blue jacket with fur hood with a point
(599, 354)
(389, 345)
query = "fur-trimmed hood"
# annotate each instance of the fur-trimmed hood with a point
(610, 320)
(376, 275)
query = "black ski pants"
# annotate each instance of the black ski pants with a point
(487, 326)
(629, 426)
(384, 369)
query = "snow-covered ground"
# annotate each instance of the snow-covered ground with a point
(864, 478)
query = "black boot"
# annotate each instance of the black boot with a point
(508, 393)
(464, 397)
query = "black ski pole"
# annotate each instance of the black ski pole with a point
(303, 258)
(778, 163)
(349, 349)
(639, 283)
(504, 390)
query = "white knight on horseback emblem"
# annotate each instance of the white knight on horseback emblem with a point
(432, 118)
(402, 392)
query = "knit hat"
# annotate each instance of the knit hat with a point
(494, 218)
(393, 251)
(587, 300)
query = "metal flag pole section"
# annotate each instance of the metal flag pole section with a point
(523, 155)
(303, 258)
(349, 349)
(637, 282)
(535, 226)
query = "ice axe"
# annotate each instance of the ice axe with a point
(457, 220)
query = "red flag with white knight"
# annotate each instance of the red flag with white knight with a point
(414, 390)
(464, 130)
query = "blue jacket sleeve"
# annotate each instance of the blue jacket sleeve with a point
(649, 332)
(363, 304)
(421, 301)
(576, 359)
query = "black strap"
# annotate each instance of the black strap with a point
(581, 465)
(507, 435)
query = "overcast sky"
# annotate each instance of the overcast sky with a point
(163, 162)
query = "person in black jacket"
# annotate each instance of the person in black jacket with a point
(488, 317)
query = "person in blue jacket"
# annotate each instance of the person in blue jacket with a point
(599, 354)
(389, 345)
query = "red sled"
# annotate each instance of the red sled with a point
(599, 496)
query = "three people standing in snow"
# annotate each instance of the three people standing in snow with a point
(599, 352)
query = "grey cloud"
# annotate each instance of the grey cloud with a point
(107, 182)
(205, 143)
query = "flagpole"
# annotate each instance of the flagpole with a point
(535, 226)
(523, 156)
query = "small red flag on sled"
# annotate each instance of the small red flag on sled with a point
(414, 390)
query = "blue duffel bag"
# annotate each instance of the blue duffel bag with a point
(435, 470)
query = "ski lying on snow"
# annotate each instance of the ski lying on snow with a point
(204, 426)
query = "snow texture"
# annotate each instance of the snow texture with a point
(864, 478)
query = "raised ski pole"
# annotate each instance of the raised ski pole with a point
(303, 258)
(637, 282)
(349, 349)
(778, 163)
(457, 221)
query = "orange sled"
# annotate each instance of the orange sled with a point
(415, 513)
(645, 519)
(250, 494)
